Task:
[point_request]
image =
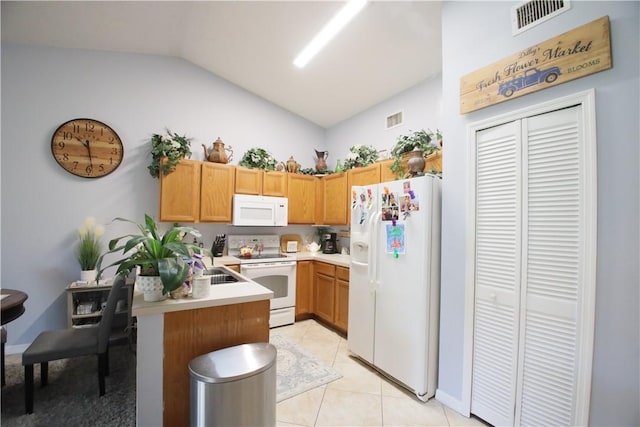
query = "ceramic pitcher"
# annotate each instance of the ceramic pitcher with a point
(321, 162)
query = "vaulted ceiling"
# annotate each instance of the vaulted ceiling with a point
(390, 46)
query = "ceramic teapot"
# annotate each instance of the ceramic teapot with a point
(292, 165)
(321, 162)
(218, 153)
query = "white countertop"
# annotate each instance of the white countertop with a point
(226, 294)
(337, 259)
(234, 293)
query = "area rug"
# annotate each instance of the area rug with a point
(72, 397)
(298, 371)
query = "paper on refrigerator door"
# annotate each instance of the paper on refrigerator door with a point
(395, 239)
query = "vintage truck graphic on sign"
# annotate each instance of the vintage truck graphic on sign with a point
(531, 77)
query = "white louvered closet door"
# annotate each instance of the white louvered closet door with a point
(497, 272)
(554, 224)
(530, 265)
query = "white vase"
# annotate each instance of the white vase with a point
(151, 287)
(88, 276)
(200, 286)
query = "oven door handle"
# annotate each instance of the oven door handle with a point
(267, 265)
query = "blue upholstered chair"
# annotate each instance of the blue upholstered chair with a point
(72, 342)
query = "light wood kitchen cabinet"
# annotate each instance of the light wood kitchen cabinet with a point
(341, 309)
(197, 192)
(302, 198)
(335, 198)
(248, 181)
(319, 201)
(180, 193)
(216, 192)
(274, 184)
(364, 176)
(433, 163)
(324, 291)
(331, 294)
(304, 289)
(386, 174)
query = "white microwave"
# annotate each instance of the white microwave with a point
(260, 211)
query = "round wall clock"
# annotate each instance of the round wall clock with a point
(87, 148)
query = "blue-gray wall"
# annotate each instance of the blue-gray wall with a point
(137, 95)
(421, 106)
(476, 34)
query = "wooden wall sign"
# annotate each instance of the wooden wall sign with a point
(577, 53)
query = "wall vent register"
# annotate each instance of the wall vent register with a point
(394, 120)
(531, 13)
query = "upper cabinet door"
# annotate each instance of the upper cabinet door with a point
(302, 198)
(180, 193)
(249, 181)
(274, 184)
(335, 199)
(386, 174)
(364, 176)
(216, 193)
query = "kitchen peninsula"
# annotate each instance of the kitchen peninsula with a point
(174, 331)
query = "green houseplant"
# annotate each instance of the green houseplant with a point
(360, 156)
(419, 140)
(88, 248)
(165, 257)
(171, 146)
(258, 158)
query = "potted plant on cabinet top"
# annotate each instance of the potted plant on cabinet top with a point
(163, 260)
(171, 147)
(89, 248)
(416, 144)
(360, 156)
(258, 158)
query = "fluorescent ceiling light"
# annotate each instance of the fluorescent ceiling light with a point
(332, 28)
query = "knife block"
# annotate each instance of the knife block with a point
(217, 249)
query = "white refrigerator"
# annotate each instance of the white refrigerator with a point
(394, 282)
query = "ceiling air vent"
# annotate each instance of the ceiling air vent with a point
(394, 120)
(534, 12)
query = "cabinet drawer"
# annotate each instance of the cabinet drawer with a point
(342, 273)
(326, 269)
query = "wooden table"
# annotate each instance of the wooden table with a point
(12, 304)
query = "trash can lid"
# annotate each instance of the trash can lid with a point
(233, 363)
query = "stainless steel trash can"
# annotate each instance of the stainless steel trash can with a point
(234, 386)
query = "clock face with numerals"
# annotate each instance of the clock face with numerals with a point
(87, 148)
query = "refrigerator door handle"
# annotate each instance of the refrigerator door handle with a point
(371, 270)
(373, 251)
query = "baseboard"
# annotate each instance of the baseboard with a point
(452, 403)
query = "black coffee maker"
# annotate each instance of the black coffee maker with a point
(329, 243)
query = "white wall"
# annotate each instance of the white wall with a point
(469, 44)
(137, 95)
(421, 106)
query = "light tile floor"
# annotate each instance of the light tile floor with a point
(362, 397)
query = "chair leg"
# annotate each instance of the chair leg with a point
(107, 372)
(102, 367)
(28, 389)
(3, 375)
(44, 373)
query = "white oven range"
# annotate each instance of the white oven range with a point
(268, 267)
